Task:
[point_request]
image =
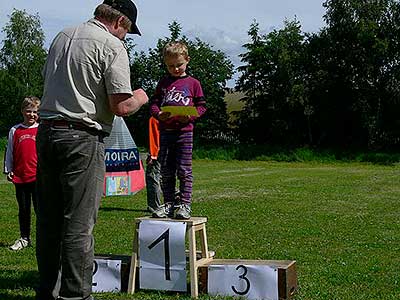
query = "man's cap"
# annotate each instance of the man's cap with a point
(128, 8)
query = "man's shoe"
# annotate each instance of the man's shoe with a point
(164, 211)
(150, 209)
(20, 244)
(183, 211)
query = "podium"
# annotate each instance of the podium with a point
(195, 226)
(280, 276)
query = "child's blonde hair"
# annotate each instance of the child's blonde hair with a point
(173, 49)
(30, 101)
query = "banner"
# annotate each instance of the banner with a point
(124, 168)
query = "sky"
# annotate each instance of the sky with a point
(223, 24)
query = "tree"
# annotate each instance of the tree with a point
(272, 78)
(338, 87)
(22, 57)
(362, 60)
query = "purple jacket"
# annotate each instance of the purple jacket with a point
(177, 91)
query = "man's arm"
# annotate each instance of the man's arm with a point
(124, 105)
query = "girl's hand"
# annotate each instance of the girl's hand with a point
(183, 119)
(163, 115)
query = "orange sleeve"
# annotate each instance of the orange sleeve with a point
(154, 137)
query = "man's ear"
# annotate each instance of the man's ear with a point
(120, 20)
(117, 23)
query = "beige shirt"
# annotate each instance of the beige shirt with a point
(84, 65)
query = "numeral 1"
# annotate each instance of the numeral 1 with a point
(167, 259)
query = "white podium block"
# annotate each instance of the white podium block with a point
(157, 244)
(252, 279)
(162, 263)
(106, 275)
(255, 282)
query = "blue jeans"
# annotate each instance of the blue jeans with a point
(70, 175)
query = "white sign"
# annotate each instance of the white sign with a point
(106, 275)
(258, 282)
(162, 260)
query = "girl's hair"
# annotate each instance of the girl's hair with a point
(175, 49)
(109, 14)
(30, 101)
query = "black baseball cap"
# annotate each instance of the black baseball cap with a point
(128, 8)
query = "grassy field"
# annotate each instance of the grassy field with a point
(339, 221)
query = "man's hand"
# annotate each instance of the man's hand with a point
(124, 104)
(140, 96)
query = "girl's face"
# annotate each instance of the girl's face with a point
(176, 65)
(30, 114)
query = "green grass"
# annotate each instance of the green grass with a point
(339, 221)
(300, 154)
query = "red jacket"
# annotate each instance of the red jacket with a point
(21, 156)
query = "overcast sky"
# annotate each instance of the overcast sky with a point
(221, 23)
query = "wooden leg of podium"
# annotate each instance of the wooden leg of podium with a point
(192, 263)
(134, 261)
(132, 274)
(203, 241)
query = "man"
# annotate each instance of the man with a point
(87, 82)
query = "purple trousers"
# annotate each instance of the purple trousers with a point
(176, 162)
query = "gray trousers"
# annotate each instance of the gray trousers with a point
(153, 185)
(70, 177)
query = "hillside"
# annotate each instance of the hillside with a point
(233, 103)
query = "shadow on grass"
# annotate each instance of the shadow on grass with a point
(122, 209)
(7, 296)
(4, 244)
(17, 280)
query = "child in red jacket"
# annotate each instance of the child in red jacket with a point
(20, 167)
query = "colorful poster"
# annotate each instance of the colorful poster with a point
(118, 185)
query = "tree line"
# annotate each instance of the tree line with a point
(338, 87)
(335, 88)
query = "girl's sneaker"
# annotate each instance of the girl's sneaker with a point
(20, 244)
(164, 211)
(183, 211)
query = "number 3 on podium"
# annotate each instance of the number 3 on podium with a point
(251, 281)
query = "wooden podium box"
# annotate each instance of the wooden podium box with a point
(287, 276)
(196, 226)
(125, 267)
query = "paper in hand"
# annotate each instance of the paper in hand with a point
(181, 110)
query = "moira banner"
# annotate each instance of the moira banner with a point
(124, 168)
